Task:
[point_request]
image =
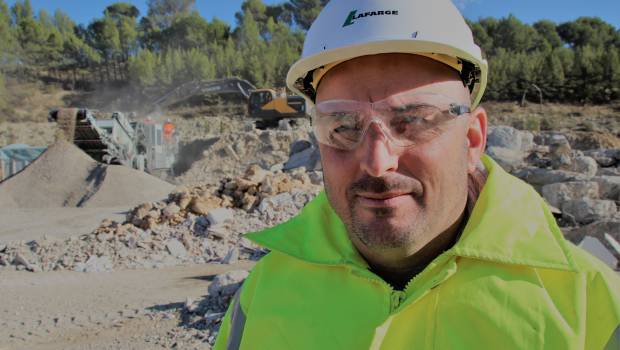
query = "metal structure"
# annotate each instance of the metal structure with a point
(116, 140)
(204, 87)
(14, 158)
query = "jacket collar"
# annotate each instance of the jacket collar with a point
(509, 224)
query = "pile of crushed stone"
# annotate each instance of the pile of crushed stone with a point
(199, 224)
(64, 176)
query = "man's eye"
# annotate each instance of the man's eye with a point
(342, 114)
(408, 122)
(346, 128)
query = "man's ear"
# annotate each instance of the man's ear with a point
(476, 137)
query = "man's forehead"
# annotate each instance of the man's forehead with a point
(375, 77)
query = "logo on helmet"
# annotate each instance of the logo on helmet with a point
(353, 15)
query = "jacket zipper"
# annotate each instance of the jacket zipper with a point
(397, 297)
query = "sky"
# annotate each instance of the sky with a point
(528, 11)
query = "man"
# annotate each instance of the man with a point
(419, 241)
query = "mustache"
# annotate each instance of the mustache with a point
(387, 183)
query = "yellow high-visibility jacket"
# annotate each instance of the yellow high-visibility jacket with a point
(510, 282)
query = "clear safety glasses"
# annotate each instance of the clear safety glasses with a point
(406, 119)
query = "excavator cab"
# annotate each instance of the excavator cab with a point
(269, 107)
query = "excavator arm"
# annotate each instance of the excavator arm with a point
(184, 91)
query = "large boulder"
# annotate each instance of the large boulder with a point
(596, 229)
(511, 138)
(558, 193)
(586, 210)
(604, 157)
(507, 158)
(584, 165)
(609, 187)
(226, 284)
(540, 177)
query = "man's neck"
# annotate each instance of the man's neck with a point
(399, 277)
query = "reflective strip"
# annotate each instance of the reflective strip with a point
(237, 323)
(614, 340)
(380, 333)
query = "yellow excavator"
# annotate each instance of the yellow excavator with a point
(265, 106)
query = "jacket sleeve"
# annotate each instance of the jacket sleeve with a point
(603, 310)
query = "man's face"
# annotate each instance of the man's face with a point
(394, 200)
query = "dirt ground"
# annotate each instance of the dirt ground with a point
(128, 309)
(33, 223)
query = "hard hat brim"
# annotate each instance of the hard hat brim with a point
(300, 69)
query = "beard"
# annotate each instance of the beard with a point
(389, 227)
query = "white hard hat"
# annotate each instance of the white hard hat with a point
(346, 29)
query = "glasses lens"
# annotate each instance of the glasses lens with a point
(406, 119)
(413, 124)
(338, 128)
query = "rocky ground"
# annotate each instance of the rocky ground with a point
(160, 274)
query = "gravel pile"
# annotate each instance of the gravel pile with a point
(64, 176)
(199, 224)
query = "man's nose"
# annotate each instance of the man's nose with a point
(377, 154)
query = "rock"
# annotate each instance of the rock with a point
(171, 210)
(604, 157)
(275, 201)
(220, 215)
(558, 193)
(218, 232)
(527, 141)
(231, 153)
(2, 247)
(142, 210)
(176, 248)
(232, 256)
(316, 177)
(587, 210)
(189, 305)
(548, 138)
(507, 158)
(505, 137)
(21, 260)
(254, 173)
(584, 165)
(608, 171)
(203, 204)
(95, 264)
(308, 158)
(248, 201)
(299, 146)
(149, 223)
(183, 200)
(541, 177)
(609, 187)
(107, 223)
(201, 224)
(597, 229)
(284, 125)
(226, 284)
(213, 317)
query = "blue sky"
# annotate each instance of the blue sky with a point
(528, 11)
